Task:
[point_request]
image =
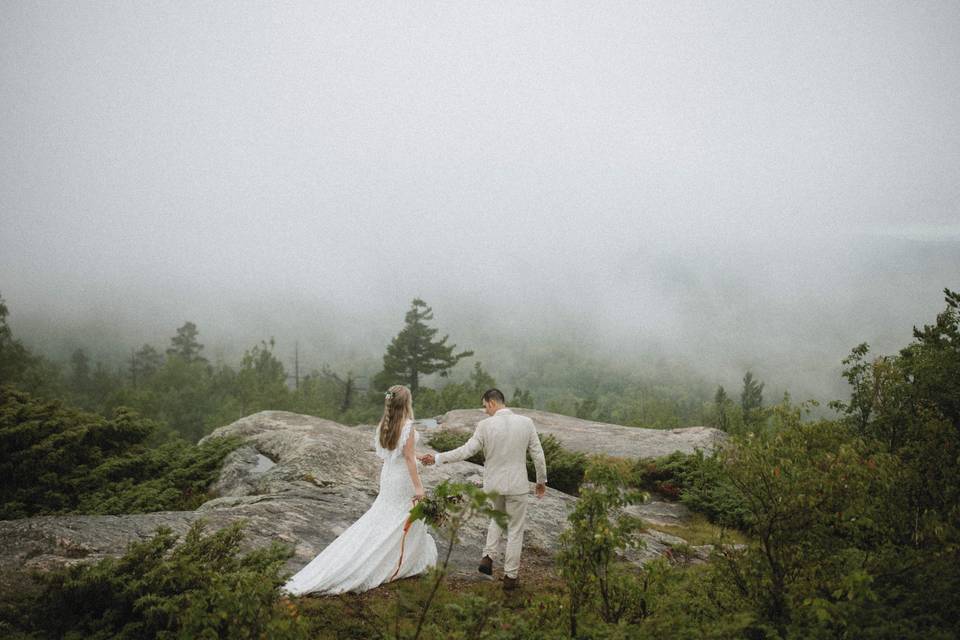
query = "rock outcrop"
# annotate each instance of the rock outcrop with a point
(599, 437)
(303, 480)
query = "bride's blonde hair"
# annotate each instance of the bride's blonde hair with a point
(397, 407)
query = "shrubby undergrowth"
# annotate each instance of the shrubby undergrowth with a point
(566, 468)
(203, 587)
(55, 460)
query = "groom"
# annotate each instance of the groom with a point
(504, 437)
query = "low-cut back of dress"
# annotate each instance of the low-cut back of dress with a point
(373, 549)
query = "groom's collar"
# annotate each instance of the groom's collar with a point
(499, 411)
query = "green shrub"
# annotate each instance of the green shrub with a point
(697, 480)
(449, 439)
(56, 459)
(565, 468)
(598, 532)
(200, 588)
(661, 475)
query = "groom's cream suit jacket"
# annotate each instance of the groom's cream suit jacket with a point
(505, 437)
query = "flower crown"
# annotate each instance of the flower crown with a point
(388, 395)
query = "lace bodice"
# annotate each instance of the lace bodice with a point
(397, 452)
(395, 482)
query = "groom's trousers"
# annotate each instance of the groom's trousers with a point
(516, 508)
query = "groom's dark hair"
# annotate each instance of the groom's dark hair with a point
(494, 395)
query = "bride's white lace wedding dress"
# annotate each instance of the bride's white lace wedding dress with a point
(368, 553)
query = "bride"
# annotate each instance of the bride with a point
(379, 547)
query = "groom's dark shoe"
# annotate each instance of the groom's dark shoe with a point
(509, 584)
(486, 565)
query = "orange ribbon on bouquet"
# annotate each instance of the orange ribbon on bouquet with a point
(406, 529)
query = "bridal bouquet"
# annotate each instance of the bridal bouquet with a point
(435, 510)
(451, 504)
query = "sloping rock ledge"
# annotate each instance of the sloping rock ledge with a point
(303, 480)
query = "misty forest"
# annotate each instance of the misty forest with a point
(710, 250)
(848, 525)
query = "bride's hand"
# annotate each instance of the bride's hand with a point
(418, 497)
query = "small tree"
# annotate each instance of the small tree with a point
(185, 344)
(598, 530)
(261, 381)
(144, 363)
(349, 389)
(720, 402)
(521, 398)
(413, 352)
(450, 507)
(751, 398)
(481, 380)
(80, 370)
(932, 360)
(807, 495)
(15, 359)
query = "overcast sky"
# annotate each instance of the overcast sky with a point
(735, 182)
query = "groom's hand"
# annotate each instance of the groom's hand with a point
(427, 459)
(541, 490)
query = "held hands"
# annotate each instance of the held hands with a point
(426, 459)
(541, 490)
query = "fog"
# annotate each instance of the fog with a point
(710, 186)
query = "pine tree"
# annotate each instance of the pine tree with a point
(521, 399)
(480, 380)
(349, 388)
(720, 401)
(751, 398)
(185, 344)
(80, 370)
(15, 358)
(413, 352)
(261, 380)
(144, 363)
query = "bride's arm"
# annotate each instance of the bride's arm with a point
(410, 457)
